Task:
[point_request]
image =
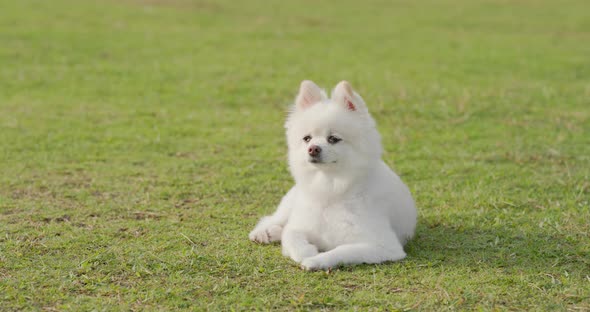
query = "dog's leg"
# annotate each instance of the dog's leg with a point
(354, 254)
(296, 246)
(270, 228)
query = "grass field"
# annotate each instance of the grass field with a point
(141, 140)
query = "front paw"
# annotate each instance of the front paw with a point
(303, 253)
(314, 264)
(266, 235)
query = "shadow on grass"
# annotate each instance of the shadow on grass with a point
(505, 248)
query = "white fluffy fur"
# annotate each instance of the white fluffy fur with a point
(348, 208)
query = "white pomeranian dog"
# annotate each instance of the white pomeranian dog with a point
(347, 205)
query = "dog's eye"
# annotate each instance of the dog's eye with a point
(333, 140)
(307, 138)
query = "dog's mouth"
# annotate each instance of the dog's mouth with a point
(319, 161)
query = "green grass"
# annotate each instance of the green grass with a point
(141, 140)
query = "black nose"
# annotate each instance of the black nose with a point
(314, 150)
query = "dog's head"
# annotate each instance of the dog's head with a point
(333, 135)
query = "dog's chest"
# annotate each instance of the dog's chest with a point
(330, 225)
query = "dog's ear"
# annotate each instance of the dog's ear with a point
(343, 94)
(309, 95)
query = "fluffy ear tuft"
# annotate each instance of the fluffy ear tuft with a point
(343, 94)
(345, 87)
(309, 95)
